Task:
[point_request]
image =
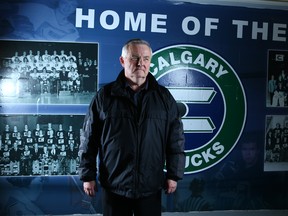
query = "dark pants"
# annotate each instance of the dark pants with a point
(115, 205)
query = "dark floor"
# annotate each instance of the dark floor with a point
(227, 213)
(233, 213)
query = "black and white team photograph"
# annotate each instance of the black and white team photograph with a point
(276, 143)
(44, 145)
(277, 78)
(49, 72)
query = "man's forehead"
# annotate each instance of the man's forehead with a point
(141, 54)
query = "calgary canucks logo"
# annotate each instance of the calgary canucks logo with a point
(211, 99)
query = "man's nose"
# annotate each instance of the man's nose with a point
(140, 62)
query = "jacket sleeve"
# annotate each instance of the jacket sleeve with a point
(89, 141)
(175, 150)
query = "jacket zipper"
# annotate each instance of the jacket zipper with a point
(137, 120)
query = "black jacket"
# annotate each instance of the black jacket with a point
(133, 144)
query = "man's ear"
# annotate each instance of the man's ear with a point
(121, 59)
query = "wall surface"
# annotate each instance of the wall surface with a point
(226, 66)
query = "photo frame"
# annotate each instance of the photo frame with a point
(48, 72)
(276, 143)
(40, 145)
(277, 78)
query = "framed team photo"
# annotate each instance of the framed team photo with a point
(276, 143)
(48, 72)
(277, 78)
(39, 145)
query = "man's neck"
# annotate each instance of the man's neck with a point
(137, 86)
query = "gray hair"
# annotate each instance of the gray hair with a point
(135, 41)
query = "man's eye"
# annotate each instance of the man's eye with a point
(134, 58)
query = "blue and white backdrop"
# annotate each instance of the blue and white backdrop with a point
(226, 66)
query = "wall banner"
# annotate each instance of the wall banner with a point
(225, 65)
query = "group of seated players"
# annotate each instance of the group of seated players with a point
(44, 150)
(49, 72)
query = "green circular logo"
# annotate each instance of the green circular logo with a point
(198, 77)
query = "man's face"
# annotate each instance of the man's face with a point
(136, 64)
(249, 153)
